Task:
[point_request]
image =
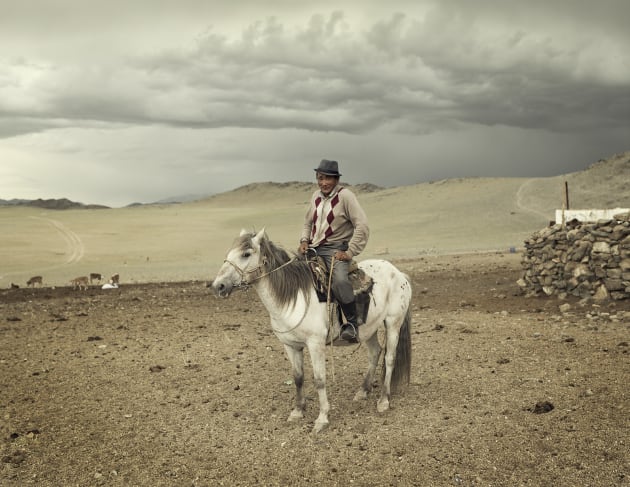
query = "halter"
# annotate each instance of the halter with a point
(244, 282)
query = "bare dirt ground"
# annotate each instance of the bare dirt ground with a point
(166, 385)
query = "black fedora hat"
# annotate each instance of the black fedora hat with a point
(330, 168)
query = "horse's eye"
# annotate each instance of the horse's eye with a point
(247, 254)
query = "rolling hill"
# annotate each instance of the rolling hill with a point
(189, 240)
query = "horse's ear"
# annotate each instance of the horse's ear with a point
(243, 232)
(260, 236)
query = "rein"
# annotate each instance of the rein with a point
(247, 283)
(244, 282)
(329, 312)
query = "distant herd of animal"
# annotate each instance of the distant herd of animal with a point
(81, 282)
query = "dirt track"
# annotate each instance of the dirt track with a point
(165, 385)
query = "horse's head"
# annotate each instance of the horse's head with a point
(243, 261)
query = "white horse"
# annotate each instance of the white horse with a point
(299, 320)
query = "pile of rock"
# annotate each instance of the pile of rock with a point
(584, 259)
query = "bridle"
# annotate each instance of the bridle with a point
(243, 273)
(245, 283)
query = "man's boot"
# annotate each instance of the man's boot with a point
(350, 327)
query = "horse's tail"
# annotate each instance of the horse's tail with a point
(402, 361)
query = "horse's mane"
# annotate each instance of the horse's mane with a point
(285, 282)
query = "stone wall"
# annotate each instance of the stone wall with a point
(588, 260)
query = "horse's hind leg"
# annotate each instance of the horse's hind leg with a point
(296, 357)
(373, 353)
(392, 337)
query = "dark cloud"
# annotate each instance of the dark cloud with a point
(409, 74)
(401, 92)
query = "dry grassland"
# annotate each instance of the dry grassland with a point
(158, 243)
(188, 241)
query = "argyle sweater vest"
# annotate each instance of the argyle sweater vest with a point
(324, 218)
(337, 219)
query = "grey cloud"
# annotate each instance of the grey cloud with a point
(519, 78)
(11, 127)
(401, 73)
(324, 78)
(448, 88)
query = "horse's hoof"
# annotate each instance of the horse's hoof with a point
(319, 427)
(382, 405)
(295, 416)
(361, 395)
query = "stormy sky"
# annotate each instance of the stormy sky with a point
(122, 101)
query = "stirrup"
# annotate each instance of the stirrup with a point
(349, 332)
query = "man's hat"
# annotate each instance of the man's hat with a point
(330, 168)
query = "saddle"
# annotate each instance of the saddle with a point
(361, 284)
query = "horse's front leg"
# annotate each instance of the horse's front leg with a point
(296, 357)
(318, 359)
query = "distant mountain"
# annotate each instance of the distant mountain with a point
(51, 204)
(263, 189)
(303, 186)
(14, 202)
(173, 200)
(256, 193)
(604, 184)
(185, 198)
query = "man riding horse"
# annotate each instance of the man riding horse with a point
(336, 227)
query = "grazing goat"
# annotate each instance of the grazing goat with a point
(34, 280)
(80, 282)
(14, 286)
(95, 276)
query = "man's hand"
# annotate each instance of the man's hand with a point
(303, 247)
(341, 255)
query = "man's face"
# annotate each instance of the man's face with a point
(326, 183)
